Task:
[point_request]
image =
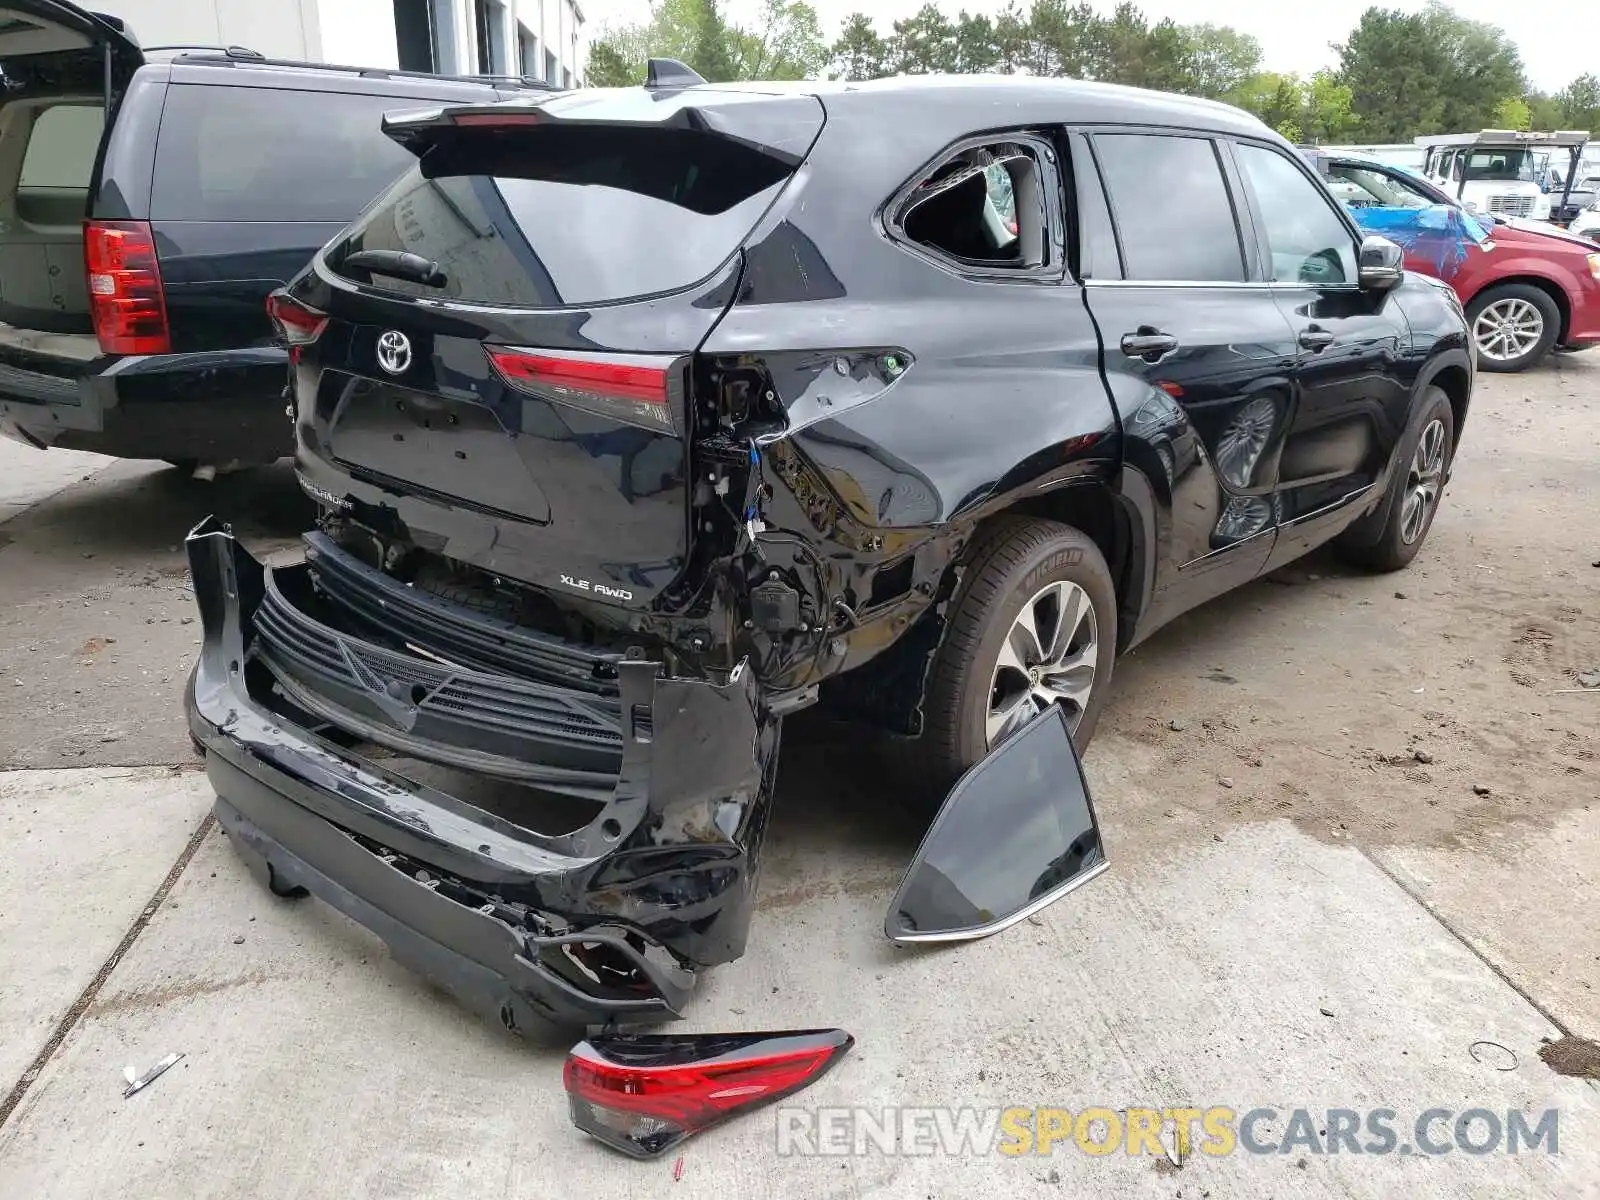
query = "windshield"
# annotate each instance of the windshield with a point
(1361, 188)
(1506, 163)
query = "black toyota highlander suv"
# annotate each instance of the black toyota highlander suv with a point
(149, 202)
(639, 419)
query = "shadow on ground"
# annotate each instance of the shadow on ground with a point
(137, 510)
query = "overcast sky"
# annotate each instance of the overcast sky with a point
(1293, 36)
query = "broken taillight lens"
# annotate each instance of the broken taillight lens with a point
(643, 1094)
(297, 324)
(126, 300)
(635, 389)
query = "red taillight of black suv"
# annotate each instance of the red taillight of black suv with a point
(125, 295)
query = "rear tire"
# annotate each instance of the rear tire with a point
(983, 685)
(1389, 538)
(1513, 326)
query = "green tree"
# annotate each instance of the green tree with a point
(1221, 59)
(1275, 98)
(1012, 37)
(924, 43)
(1513, 113)
(1426, 72)
(860, 53)
(1061, 39)
(1580, 103)
(1544, 112)
(977, 47)
(1326, 109)
(610, 65)
(714, 53)
(788, 46)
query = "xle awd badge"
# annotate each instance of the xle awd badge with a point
(599, 589)
(394, 352)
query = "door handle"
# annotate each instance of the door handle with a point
(1316, 339)
(1148, 343)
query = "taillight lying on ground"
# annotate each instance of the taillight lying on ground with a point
(635, 389)
(643, 1094)
(125, 297)
(298, 324)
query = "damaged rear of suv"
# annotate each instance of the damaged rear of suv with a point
(639, 419)
(523, 694)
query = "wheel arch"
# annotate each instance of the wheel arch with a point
(1452, 372)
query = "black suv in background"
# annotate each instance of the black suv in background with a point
(639, 419)
(147, 208)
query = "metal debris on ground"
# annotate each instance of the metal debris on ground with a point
(149, 1076)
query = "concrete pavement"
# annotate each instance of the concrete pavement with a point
(1264, 970)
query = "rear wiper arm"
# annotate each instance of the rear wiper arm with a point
(399, 264)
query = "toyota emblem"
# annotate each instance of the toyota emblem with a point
(394, 352)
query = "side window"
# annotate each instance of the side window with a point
(62, 147)
(1309, 243)
(247, 154)
(984, 207)
(1174, 218)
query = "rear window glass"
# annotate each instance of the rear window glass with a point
(553, 217)
(62, 147)
(254, 154)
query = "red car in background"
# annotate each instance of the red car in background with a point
(1527, 287)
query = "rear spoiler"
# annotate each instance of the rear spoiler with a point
(778, 121)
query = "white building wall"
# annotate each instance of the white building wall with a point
(358, 32)
(277, 28)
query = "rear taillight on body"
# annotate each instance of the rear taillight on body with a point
(643, 1094)
(635, 389)
(297, 324)
(126, 300)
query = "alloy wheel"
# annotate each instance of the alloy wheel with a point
(1049, 657)
(1423, 482)
(1508, 329)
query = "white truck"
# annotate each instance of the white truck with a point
(1497, 170)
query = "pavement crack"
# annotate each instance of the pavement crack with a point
(90, 992)
(1498, 971)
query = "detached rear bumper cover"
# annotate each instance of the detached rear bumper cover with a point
(607, 923)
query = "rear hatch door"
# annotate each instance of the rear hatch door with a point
(506, 366)
(55, 62)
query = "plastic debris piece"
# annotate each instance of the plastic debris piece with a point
(150, 1076)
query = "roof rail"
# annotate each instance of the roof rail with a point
(247, 57)
(230, 51)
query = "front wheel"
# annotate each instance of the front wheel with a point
(1390, 537)
(1513, 326)
(1034, 626)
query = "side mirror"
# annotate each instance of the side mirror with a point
(1381, 264)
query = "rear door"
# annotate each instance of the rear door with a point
(1198, 354)
(524, 404)
(1350, 395)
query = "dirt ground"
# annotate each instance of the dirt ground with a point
(1437, 710)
